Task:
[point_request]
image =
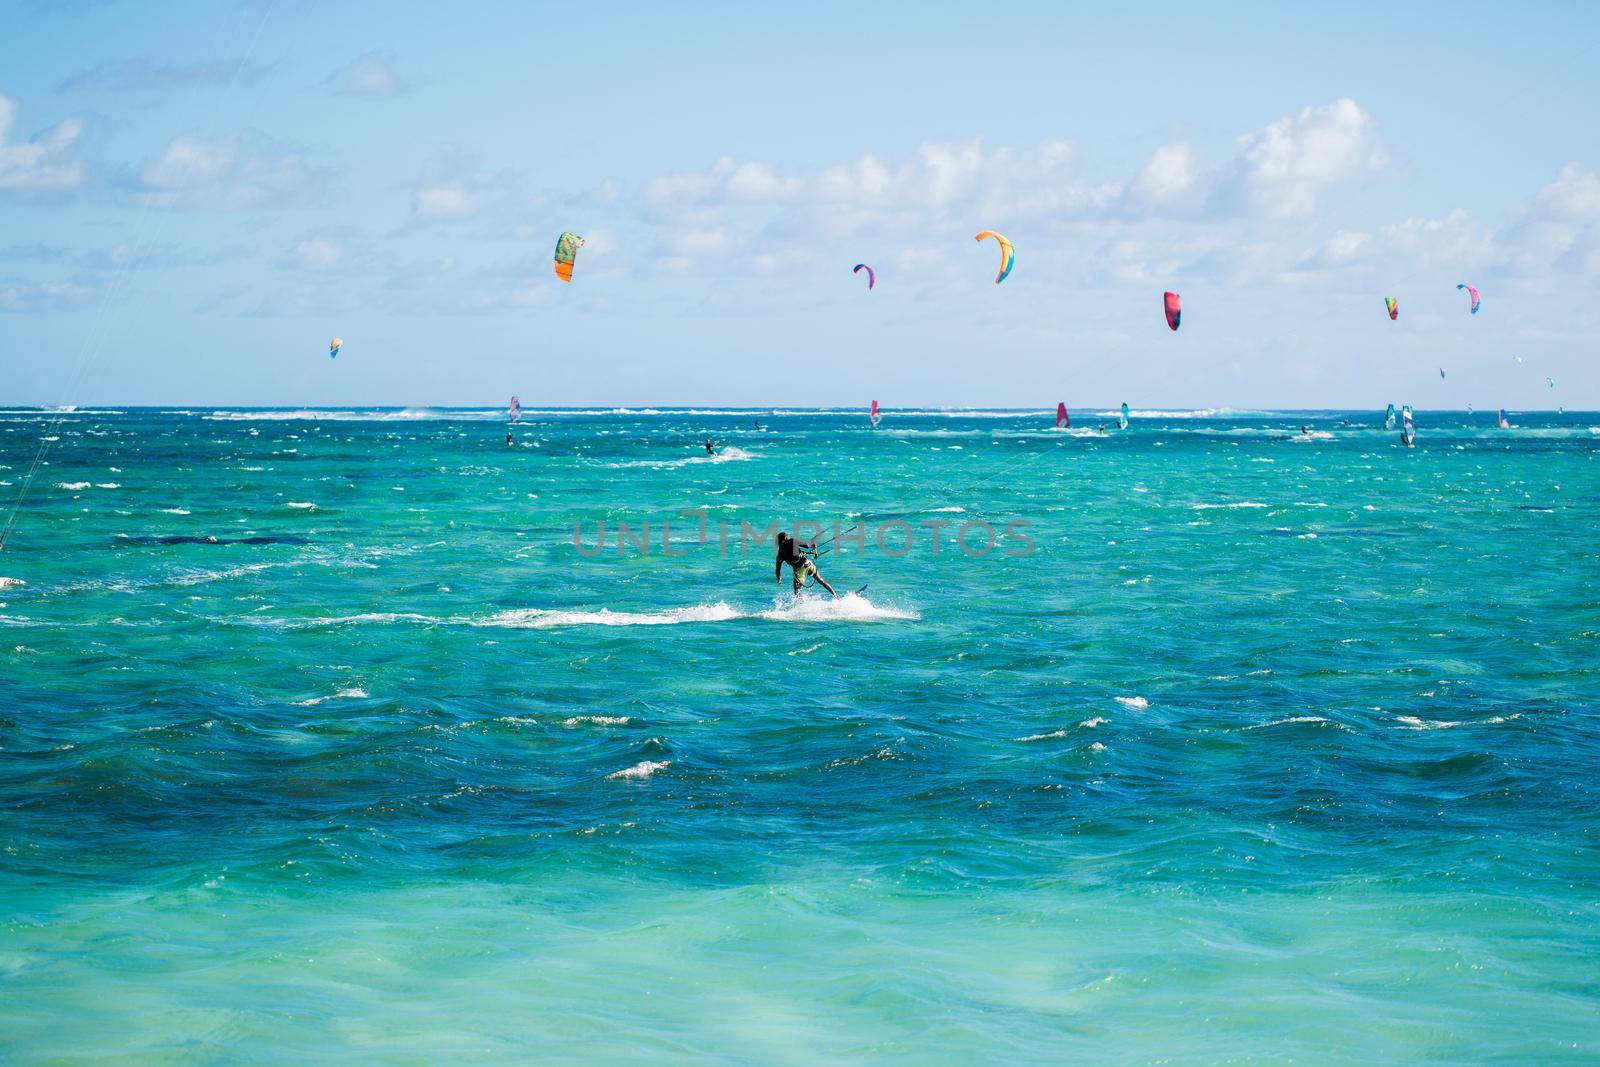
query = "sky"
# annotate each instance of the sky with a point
(195, 197)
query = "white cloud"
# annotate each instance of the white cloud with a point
(446, 202)
(41, 163)
(316, 254)
(1283, 169)
(1575, 194)
(140, 75)
(43, 296)
(1169, 174)
(1558, 234)
(237, 173)
(449, 192)
(373, 75)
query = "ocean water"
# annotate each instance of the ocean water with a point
(320, 739)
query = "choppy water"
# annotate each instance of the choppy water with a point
(318, 739)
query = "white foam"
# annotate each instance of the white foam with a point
(643, 769)
(727, 455)
(1286, 722)
(72, 485)
(343, 694)
(364, 617)
(852, 607)
(597, 720)
(541, 619)
(11, 583)
(1414, 723)
(300, 505)
(1236, 504)
(316, 415)
(1135, 703)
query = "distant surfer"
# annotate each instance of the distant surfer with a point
(711, 449)
(508, 437)
(798, 555)
(1305, 431)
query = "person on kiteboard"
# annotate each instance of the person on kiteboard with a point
(798, 555)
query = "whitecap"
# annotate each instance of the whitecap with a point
(1135, 703)
(354, 693)
(643, 769)
(852, 607)
(542, 619)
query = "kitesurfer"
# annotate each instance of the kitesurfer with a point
(711, 449)
(798, 555)
(508, 437)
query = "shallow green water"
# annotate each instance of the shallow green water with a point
(318, 738)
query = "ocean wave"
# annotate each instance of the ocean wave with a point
(727, 455)
(355, 415)
(1189, 413)
(541, 619)
(642, 769)
(353, 693)
(852, 607)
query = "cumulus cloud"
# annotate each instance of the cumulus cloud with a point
(43, 296)
(451, 191)
(1559, 231)
(373, 75)
(1282, 170)
(1169, 174)
(237, 173)
(142, 75)
(41, 163)
(337, 250)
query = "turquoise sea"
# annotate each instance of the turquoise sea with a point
(319, 740)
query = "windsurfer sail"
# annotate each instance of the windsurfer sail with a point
(1122, 419)
(1388, 418)
(873, 416)
(1062, 419)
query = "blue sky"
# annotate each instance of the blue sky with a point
(195, 197)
